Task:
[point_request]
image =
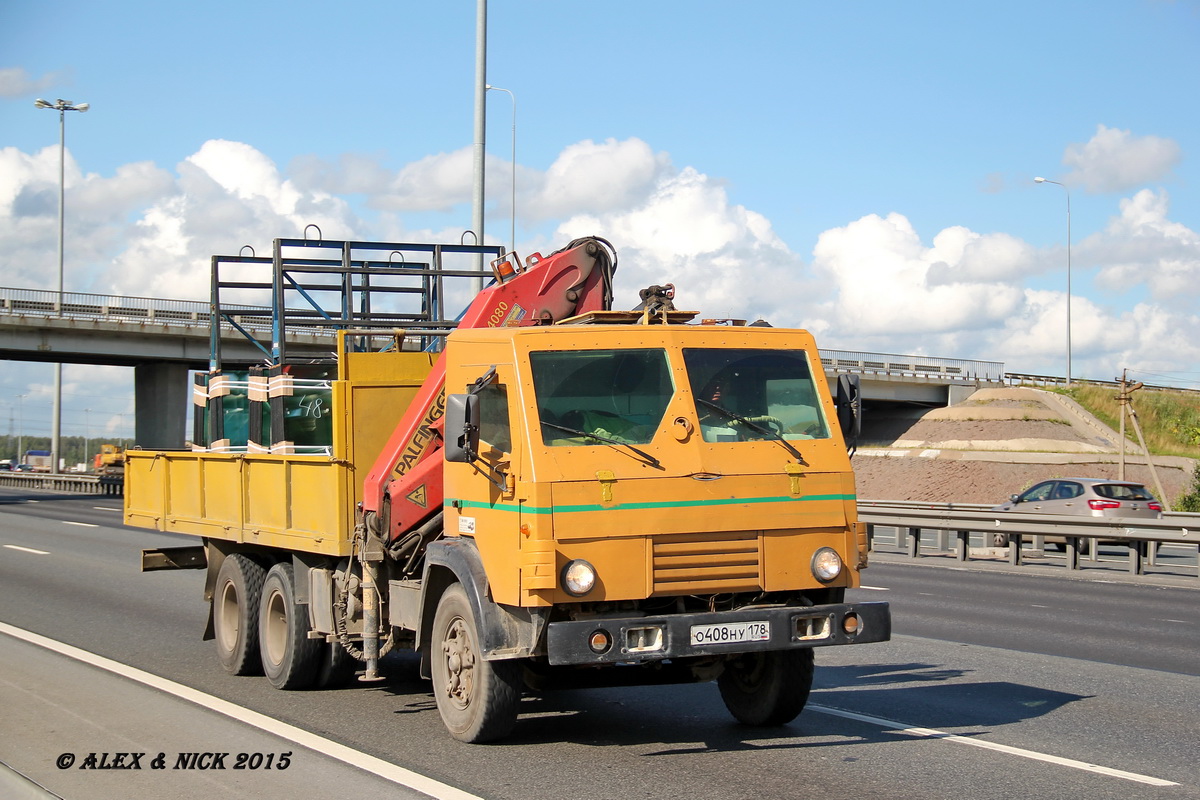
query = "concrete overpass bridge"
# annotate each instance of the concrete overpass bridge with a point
(163, 339)
(160, 339)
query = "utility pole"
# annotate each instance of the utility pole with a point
(62, 107)
(479, 148)
(1125, 399)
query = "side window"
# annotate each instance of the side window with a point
(1038, 493)
(493, 417)
(1068, 490)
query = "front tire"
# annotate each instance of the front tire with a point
(235, 614)
(767, 688)
(290, 659)
(477, 699)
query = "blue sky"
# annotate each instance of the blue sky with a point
(863, 170)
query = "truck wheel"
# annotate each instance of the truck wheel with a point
(290, 659)
(477, 699)
(235, 614)
(768, 688)
(999, 539)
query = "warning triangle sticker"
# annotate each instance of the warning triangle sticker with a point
(417, 496)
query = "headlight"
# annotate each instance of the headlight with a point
(578, 578)
(826, 564)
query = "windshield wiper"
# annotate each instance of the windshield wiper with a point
(775, 436)
(651, 460)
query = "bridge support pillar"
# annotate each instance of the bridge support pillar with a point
(160, 394)
(958, 394)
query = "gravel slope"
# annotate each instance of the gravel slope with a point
(989, 447)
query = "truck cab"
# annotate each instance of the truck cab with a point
(675, 498)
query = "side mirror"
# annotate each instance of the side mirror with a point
(462, 428)
(1014, 498)
(849, 408)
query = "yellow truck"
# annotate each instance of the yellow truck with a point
(543, 493)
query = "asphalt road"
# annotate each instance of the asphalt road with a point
(996, 685)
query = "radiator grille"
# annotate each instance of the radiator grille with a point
(707, 563)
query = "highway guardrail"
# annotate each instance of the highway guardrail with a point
(961, 520)
(76, 484)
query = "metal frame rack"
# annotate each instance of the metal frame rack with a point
(318, 286)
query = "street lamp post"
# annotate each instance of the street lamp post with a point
(62, 107)
(20, 430)
(513, 227)
(1068, 191)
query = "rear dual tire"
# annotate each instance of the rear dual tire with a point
(290, 659)
(235, 603)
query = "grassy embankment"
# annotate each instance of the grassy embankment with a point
(1170, 422)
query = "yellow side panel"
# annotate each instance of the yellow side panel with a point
(301, 503)
(292, 502)
(217, 490)
(268, 496)
(373, 393)
(145, 492)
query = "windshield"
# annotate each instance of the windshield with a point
(619, 395)
(742, 394)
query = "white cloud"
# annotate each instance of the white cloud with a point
(590, 178)
(434, 183)
(680, 228)
(961, 297)
(16, 82)
(873, 284)
(1115, 160)
(1141, 246)
(889, 285)
(226, 195)
(98, 209)
(246, 174)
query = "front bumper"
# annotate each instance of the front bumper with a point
(645, 639)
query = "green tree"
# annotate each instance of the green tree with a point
(1191, 500)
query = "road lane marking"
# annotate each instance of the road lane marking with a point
(328, 747)
(875, 588)
(27, 550)
(80, 524)
(106, 508)
(931, 733)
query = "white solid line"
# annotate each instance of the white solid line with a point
(27, 550)
(106, 508)
(348, 755)
(1000, 748)
(80, 524)
(875, 588)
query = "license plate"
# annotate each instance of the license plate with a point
(730, 633)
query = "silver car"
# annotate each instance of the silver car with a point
(1091, 497)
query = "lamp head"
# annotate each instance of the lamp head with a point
(40, 103)
(1039, 180)
(82, 107)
